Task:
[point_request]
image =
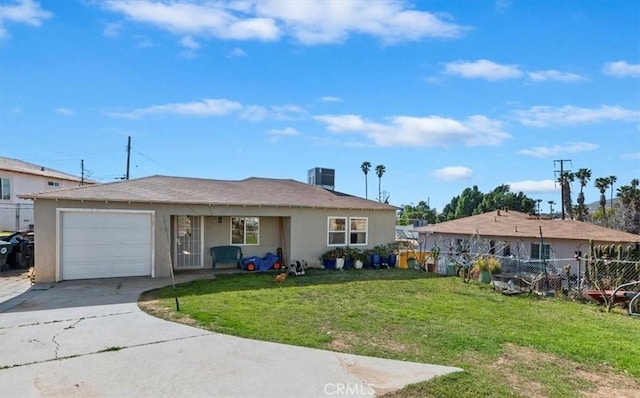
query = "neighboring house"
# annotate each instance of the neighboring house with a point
(143, 227)
(18, 178)
(521, 236)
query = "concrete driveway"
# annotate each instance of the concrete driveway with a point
(90, 339)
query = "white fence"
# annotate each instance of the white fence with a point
(16, 217)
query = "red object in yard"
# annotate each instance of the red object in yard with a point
(621, 295)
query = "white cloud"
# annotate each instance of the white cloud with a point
(276, 134)
(26, 12)
(112, 30)
(453, 173)
(554, 75)
(482, 69)
(237, 53)
(622, 69)
(426, 131)
(189, 43)
(321, 22)
(531, 186)
(204, 108)
(330, 99)
(308, 22)
(65, 111)
(206, 19)
(630, 156)
(569, 147)
(544, 116)
(280, 112)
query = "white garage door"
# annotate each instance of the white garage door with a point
(105, 244)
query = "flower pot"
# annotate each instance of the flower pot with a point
(329, 264)
(392, 260)
(484, 277)
(358, 264)
(348, 263)
(412, 263)
(431, 267)
(452, 269)
(339, 263)
(374, 261)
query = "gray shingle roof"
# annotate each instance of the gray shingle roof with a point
(20, 166)
(513, 224)
(249, 192)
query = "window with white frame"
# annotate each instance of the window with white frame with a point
(5, 189)
(539, 252)
(358, 227)
(337, 231)
(53, 183)
(245, 230)
(339, 228)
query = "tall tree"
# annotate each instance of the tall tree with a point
(366, 166)
(583, 175)
(612, 180)
(380, 169)
(629, 196)
(602, 183)
(565, 180)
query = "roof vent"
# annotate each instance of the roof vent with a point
(41, 168)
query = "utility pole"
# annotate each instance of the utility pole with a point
(82, 172)
(561, 171)
(128, 157)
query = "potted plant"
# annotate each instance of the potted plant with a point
(340, 254)
(486, 266)
(380, 258)
(328, 259)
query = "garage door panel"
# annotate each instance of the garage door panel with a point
(106, 244)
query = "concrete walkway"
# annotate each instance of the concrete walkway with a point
(90, 339)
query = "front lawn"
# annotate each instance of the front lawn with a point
(508, 346)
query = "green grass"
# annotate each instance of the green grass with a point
(506, 344)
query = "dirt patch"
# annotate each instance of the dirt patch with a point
(149, 304)
(522, 367)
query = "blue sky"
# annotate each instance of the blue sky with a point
(444, 94)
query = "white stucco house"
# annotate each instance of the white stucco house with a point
(524, 237)
(149, 226)
(17, 178)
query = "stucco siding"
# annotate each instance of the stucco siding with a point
(305, 230)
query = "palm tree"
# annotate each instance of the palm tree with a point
(565, 181)
(551, 203)
(602, 183)
(584, 175)
(366, 166)
(612, 180)
(379, 172)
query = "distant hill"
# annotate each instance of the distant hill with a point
(595, 206)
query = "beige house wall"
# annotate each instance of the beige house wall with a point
(305, 230)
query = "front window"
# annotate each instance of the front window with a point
(337, 231)
(245, 230)
(53, 183)
(358, 231)
(5, 189)
(355, 228)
